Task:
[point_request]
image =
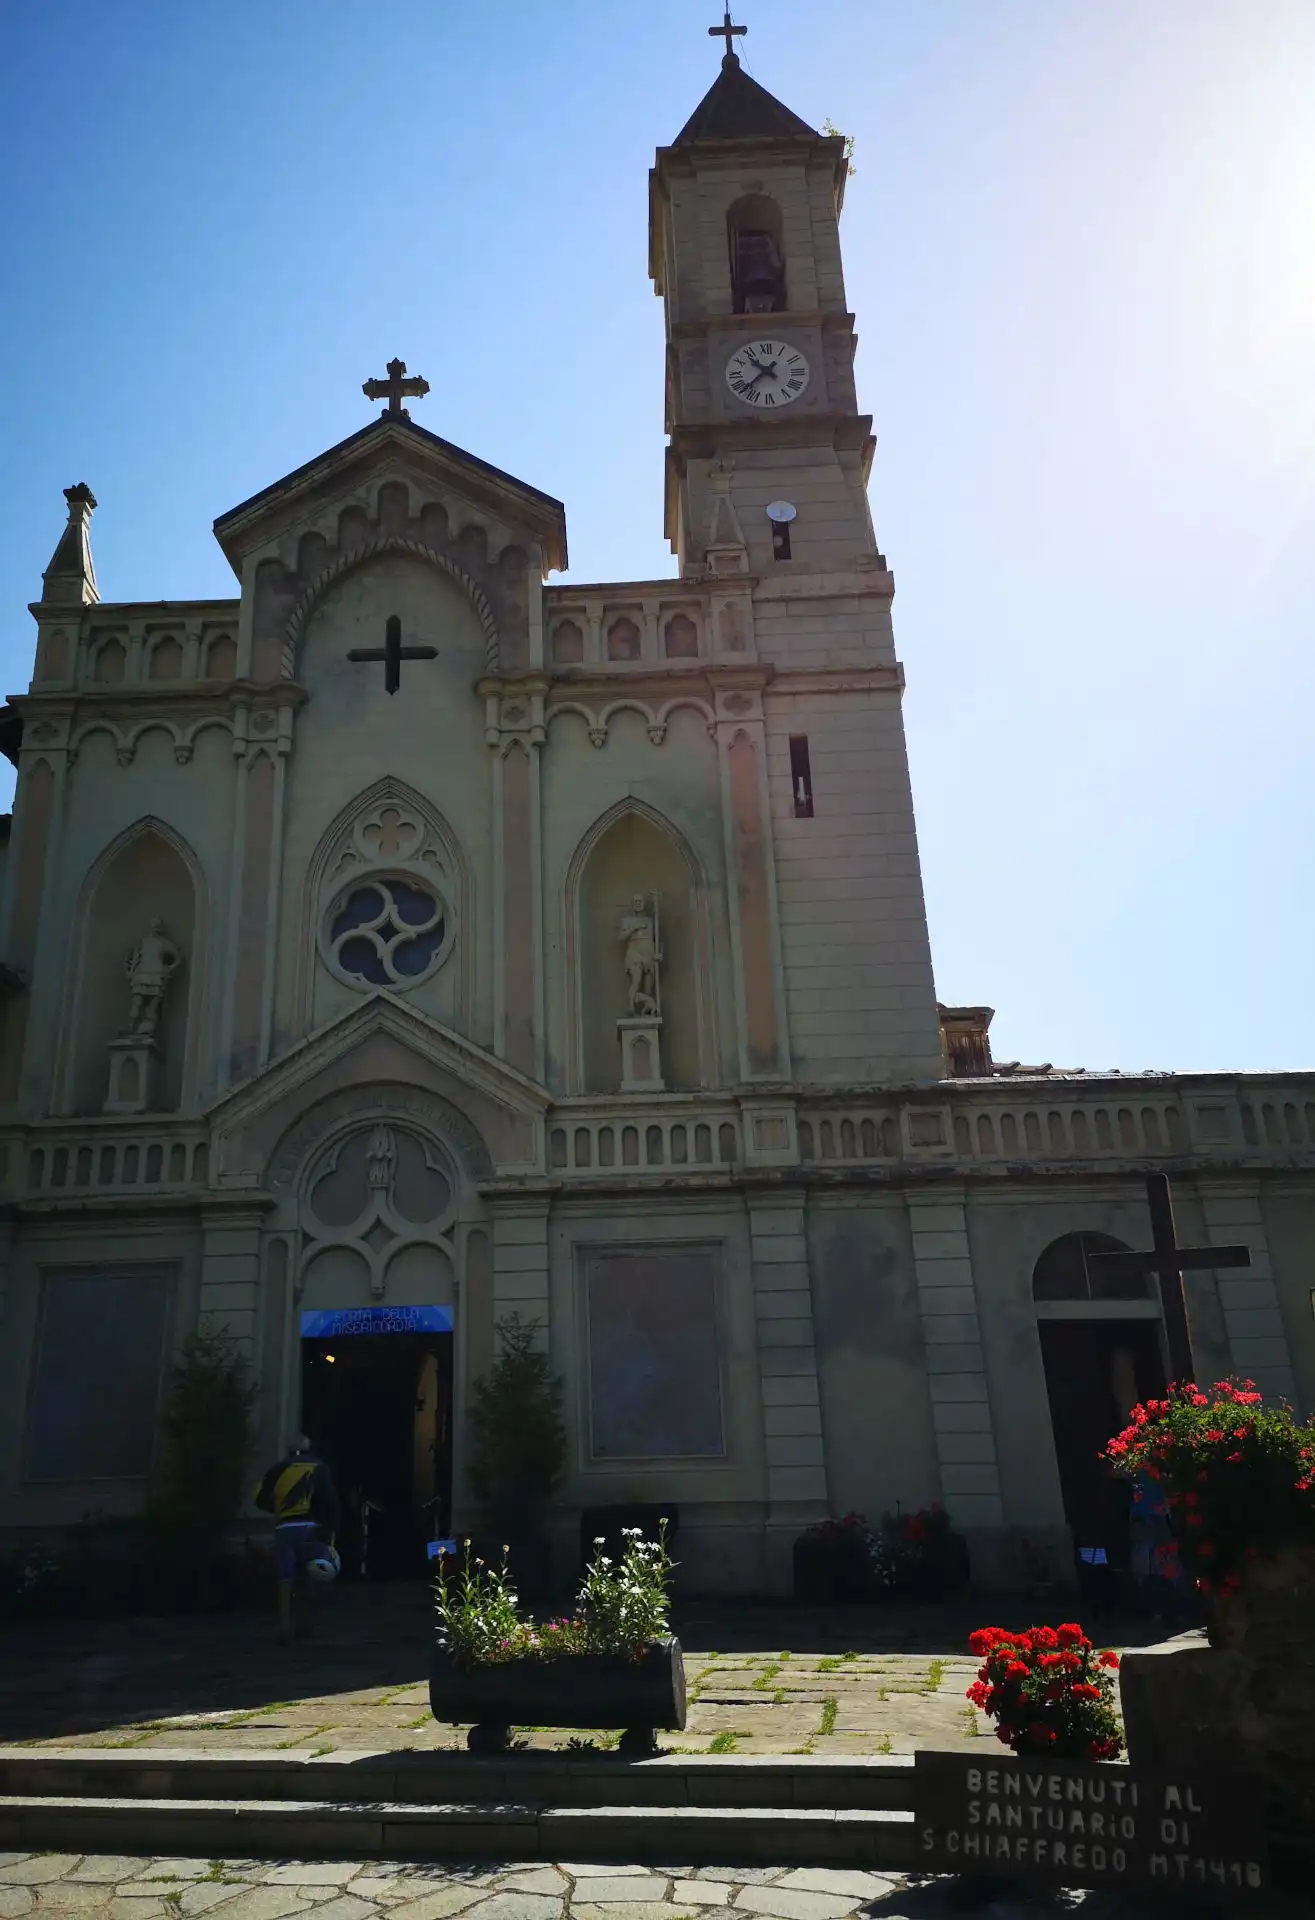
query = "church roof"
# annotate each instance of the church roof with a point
(735, 107)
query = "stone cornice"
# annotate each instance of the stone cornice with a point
(617, 591)
(702, 439)
(873, 582)
(709, 323)
(883, 677)
(867, 577)
(121, 613)
(161, 695)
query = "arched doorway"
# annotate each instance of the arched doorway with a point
(1102, 1348)
(376, 1293)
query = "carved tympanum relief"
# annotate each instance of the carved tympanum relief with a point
(374, 1193)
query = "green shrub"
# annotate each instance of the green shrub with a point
(200, 1480)
(517, 1434)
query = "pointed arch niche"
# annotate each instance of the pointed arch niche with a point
(634, 850)
(149, 870)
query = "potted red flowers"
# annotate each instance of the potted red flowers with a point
(833, 1561)
(1049, 1691)
(919, 1556)
(1239, 1481)
(1238, 1476)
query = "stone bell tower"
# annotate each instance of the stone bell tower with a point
(766, 504)
(744, 249)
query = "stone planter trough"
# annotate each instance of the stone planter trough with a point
(579, 1690)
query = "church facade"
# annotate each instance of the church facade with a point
(406, 943)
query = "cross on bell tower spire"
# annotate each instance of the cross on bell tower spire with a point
(728, 33)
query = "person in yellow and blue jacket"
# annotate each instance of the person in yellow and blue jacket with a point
(298, 1490)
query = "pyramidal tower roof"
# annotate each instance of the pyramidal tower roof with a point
(735, 107)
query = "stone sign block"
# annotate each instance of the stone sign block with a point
(1073, 1823)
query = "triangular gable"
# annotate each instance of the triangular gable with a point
(388, 445)
(380, 1043)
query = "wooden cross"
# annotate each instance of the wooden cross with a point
(392, 653)
(727, 33)
(396, 388)
(1170, 1261)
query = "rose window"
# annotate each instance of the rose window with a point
(387, 931)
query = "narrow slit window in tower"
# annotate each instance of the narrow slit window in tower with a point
(801, 777)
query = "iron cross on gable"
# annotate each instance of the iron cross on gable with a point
(392, 653)
(396, 388)
(726, 32)
(1170, 1261)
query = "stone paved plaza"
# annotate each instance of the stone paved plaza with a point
(768, 1680)
(122, 1887)
(761, 1680)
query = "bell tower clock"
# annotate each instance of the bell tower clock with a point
(744, 239)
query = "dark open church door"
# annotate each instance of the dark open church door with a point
(1102, 1354)
(379, 1410)
(1096, 1370)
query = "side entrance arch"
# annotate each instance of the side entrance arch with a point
(1102, 1344)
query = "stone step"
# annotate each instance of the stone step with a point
(354, 1830)
(407, 1777)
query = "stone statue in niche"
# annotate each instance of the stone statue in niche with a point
(640, 1031)
(135, 1055)
(380, 1161)
(638, 933)
(150, 967)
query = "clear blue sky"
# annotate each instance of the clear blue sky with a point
(1079, 244)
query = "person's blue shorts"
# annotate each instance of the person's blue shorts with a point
(295, 1542)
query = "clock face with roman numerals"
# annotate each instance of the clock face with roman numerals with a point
(767, 374)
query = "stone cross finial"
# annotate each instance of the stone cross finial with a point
(728, 33)
(396, 388)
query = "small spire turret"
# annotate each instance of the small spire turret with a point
(70, 579)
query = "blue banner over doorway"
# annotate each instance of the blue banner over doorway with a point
(338, 1323)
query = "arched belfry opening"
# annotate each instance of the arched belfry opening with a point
(636, 866)
(757, 249)
(135, 978)
(1102, 1348)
